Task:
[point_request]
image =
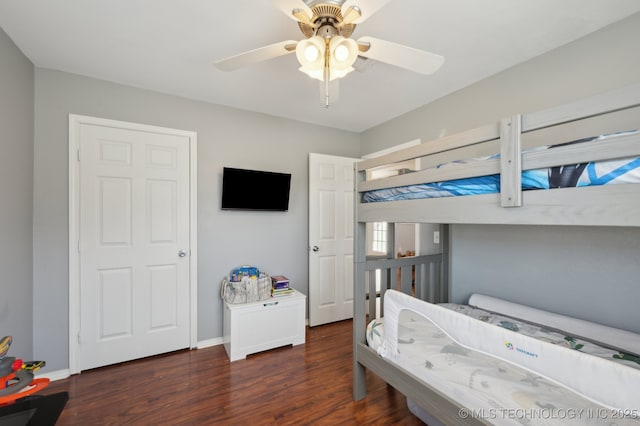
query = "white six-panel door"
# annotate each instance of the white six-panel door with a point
(331, 220)
(134, 244)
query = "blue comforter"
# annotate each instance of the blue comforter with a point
(620, 171)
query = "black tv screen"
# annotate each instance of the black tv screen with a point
(255, 190)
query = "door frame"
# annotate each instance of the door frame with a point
(75, 121)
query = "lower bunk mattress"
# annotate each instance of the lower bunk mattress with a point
(508, 371)
(613, 172)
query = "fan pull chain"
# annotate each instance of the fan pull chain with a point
(327, 73)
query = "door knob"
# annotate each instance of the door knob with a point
(315, 248)
(182, 253)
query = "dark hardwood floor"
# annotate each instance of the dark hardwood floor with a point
(306, 384)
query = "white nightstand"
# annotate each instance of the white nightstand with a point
(254, 327)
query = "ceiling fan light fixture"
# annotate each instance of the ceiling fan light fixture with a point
(344, 52)
(341, 53)
(310, 53)
(328, 53)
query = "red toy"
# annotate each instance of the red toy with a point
(16, 376)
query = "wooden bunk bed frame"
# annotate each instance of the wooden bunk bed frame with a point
(512, 138)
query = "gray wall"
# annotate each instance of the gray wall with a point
(604, 60)
(588, 272)
(275, 242)
(16, 193)
(585, 272)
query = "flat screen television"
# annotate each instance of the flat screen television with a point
(244, 189)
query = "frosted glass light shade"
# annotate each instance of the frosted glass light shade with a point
(344, 52)
(310, 53)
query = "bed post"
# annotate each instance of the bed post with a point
(389, 275)
(445, 285)
(359, 296)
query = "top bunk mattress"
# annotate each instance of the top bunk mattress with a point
(495, 387)
(619, 171)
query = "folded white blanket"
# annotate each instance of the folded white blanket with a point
(615, 338)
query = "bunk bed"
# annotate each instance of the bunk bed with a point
(584, 161)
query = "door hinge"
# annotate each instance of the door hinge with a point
(78, 337)
(78, 153)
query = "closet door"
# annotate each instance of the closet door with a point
(331, 221)
(134, 246)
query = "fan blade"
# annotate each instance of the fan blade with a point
(401, 56)
(257, 55)
(350, 15)
(289, 6)
(301, 16)
(366, 8)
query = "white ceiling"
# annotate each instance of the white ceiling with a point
(169, 46)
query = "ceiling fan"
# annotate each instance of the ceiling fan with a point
(327, 53)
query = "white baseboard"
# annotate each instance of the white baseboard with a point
(210, 342)
(55, 375)
(63, 374)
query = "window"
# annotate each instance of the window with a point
(379, 240)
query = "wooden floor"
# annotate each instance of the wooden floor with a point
(306, 384)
